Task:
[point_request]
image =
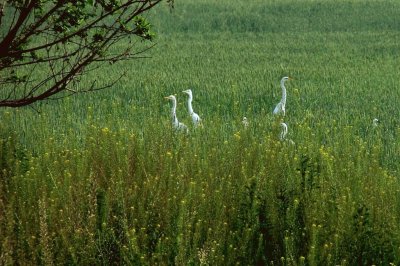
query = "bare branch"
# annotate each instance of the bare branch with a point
(38, 23)
(5, 44)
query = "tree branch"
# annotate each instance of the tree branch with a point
(5, 44)
(65, 55)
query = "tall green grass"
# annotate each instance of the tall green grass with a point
(103, 179)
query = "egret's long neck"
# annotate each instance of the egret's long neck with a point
(174, 119)
(283, 100)
(283, 132)
(173, 110)
(190, 107)
(173, 113)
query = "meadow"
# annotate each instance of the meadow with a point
(103, 179)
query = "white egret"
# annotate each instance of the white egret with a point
(175, 123)
(375, 122)
(284, 132)
(245, 122)
(280, 107)
(195, 117)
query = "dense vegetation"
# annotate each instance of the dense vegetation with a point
(103, 179)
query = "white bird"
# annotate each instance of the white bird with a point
(280, 107)
(245, 122)
(284, 132)
(375, 122)
(195, 117)
(175, 123)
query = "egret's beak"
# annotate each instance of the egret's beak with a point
(166, 97)
(291, 78)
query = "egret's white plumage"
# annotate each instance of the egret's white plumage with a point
(195, 117)
(280, 107)
(375, 122)
(175, 123)
(245, 122)
(284, 132)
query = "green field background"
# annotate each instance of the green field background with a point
(102, 178)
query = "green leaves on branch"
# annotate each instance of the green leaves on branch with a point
(143, 28)
(72, 15)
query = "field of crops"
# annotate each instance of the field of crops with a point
(102, 178)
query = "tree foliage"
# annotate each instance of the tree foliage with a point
(65, 39)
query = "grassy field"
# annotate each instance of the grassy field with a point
(103, 179)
